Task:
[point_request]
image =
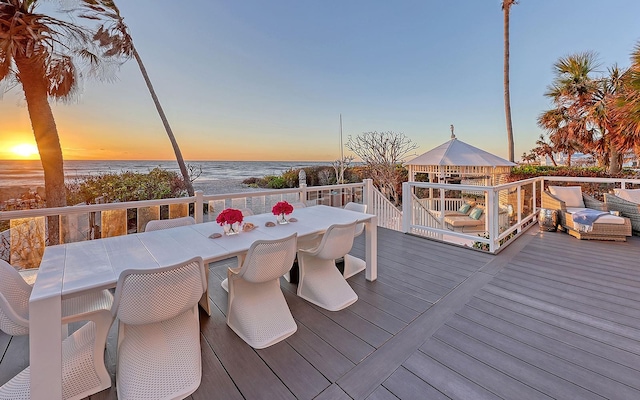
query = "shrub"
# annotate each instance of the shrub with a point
(126, 186)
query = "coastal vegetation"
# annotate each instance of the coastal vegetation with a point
(597, 114)
(126, 186)
(384, 154)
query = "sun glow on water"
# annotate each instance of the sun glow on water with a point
(25, 150)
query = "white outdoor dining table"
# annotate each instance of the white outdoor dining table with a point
(72, 269)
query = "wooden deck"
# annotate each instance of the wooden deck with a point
(549, 317)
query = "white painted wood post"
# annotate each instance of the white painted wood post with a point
(198, 207)
(367, 194)
(407, 200)
(492, 211)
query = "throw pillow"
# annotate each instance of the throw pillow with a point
(476, 213)
(632, 195)
(571, 195)
(464, 208)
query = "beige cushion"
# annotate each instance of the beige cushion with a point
(571, 195)
(632, 195)
(463, 221)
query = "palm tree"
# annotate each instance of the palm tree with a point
(570, 124)
(115, 36)
(44, 55)
(627, 105)
(506, 9)
(608, 122)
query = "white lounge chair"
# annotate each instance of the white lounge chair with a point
(257, 310)
(320, 281)
(83, 369)
(159, 334)
(158, 224)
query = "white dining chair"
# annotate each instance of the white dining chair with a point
(257, 310)
(246, 212)
(352, 264)
(14, 302)
(83, 369)
(158, 224)
(320, 282)
(159, 334)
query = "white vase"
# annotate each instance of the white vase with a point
(231, 229)
(282, 219)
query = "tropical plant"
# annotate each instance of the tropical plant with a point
(628, 105)
(45, 55)
(114, 35)
(587, 116)
(506, 9)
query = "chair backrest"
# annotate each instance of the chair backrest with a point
(269, 259)
(356, 207)
(14, 301)
(158, 224)
(362, 208)
(246, 212)
(145, 296)
(336, 241)
(571, 195)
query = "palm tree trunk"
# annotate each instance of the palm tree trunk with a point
(614, 161)
(506, 8)
(165, 122)
(31, 74)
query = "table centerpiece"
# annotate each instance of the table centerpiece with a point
(230, 219)
(281, 210)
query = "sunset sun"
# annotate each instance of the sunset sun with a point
(25, 150)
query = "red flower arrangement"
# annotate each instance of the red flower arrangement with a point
(282, 208)
(229, 216)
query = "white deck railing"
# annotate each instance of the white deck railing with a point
(85, 222)
(510, 208)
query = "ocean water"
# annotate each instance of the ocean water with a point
(214, 173)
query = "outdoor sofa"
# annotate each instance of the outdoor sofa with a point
(570, 199)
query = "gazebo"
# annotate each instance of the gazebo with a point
(457, 160)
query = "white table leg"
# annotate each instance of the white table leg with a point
(371, 252)
(45, 348)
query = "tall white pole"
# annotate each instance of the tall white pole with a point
(341, 179)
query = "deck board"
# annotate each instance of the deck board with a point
(549, 317)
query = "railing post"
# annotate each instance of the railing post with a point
(407, 198)
(198, 207)
(367, 195)
(492, 207)
(303, 192)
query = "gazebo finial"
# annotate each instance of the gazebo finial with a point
(453, 135)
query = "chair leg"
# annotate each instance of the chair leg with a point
(353, 265)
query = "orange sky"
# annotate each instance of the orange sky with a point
(252, 80)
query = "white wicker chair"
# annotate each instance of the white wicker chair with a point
(159, 334)
(158, 224)
(353, 265)
(257, 310)
(14, 302)
(83, 369)
(320, 281)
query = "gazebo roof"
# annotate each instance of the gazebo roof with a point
(458, 153)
